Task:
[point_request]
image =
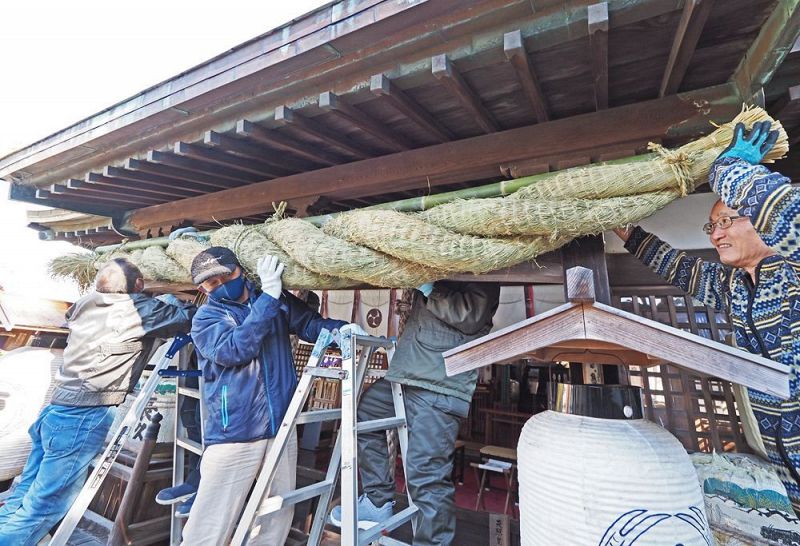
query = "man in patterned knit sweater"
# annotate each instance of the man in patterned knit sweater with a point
(755, 227)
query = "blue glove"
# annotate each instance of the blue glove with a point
(426, 288)
(751, 148)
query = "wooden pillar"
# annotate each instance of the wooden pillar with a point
(589, 252)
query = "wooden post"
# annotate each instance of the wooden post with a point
(589, 253)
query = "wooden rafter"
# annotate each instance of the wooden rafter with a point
(598, 45)
(330, 102)
(71, 190)
(454, 82)
(132, 188)
(774, 41)
(514, 48)
(277, 140)
(165, 171)
(693, 19)
(311, 128)
(198, 166)
(118, 202)
(146, 180)
(685, 114)
(281, 166)
(226, 160)
(382, 86)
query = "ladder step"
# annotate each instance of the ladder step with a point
(273, 504)
(374, 533)
(370, 341)
(191, 393)
(389, 541)
(330, 373)
(189, 445)
(317, 416)
(380, 424)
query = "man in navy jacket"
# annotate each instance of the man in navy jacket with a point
(242, 338)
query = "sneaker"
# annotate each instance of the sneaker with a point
(369, 515)
(183, 509)
(179, 493)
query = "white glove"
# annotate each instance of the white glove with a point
(352, 329)
(269, 270)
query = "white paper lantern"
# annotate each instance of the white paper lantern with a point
(592, 481)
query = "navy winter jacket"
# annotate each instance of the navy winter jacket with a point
(246, 358)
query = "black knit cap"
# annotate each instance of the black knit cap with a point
(213, 261)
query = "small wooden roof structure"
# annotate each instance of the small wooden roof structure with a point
(19, 312)
(583, 330)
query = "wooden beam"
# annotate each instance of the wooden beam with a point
(202, 167)
(787, 108)
(283, 142)
(280, 165)
(451, 79)
(693, 19)
(581, 254)
(598, 46)
(514, 48)
(315, 130)
(330, 102)
(766, 53)
(382, 86)
(181, 175)
(674, 116)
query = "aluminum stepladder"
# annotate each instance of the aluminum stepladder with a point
(182, 442)
(344, 456)
(121, 436)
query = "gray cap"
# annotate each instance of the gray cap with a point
(213, 261)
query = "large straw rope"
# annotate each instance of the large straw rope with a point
(394, 249)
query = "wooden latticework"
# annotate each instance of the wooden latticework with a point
(700, 411)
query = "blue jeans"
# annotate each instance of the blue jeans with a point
(65, 440)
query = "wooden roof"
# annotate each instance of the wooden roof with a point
(19, 312)
(374, 100)
(583, 330)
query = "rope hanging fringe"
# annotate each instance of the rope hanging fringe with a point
(387, 248)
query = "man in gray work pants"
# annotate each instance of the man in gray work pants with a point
(443, 315)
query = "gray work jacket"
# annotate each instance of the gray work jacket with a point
(110, 340)
(452, 315)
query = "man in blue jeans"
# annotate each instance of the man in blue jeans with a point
(111, 334)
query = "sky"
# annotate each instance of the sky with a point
(63, 61)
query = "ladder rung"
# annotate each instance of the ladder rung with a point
(273, 504)
(374, 342)
(317, 416)
(191, 393)
(189, 445)
(380, 424)
(373, 533)
(331, 373)
(389, 541)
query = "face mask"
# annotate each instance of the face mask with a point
(231, 290)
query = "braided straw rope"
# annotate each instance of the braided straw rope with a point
(395, 249)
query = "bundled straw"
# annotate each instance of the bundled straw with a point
(382, 247)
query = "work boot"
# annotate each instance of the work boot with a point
(369, 515)
(178, 493)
